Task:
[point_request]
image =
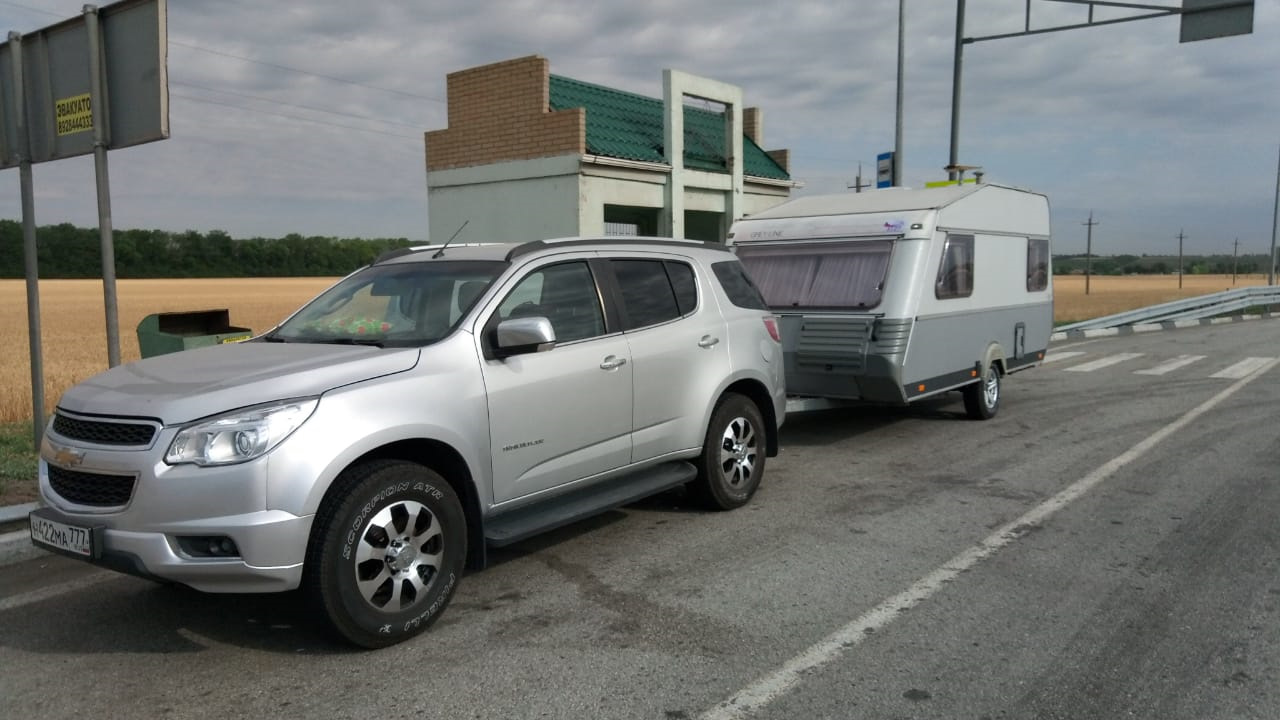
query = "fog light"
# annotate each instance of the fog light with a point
(208, 546)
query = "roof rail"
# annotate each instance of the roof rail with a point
(401, 252)
(534, 245)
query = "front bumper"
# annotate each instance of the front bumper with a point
(158, 555)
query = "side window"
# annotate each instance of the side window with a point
(1037, 264)
(647, 295)
(686, 287)
(955, 273)
(565, 294)
(737, 286)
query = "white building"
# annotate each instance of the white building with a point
(528, 155)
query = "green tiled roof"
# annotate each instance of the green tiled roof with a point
(629, 126)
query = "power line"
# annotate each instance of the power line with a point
(28, 8)
(242, 58)
(306, 72)
(293, 105)
(293, 117)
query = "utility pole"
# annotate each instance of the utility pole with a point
(1275, 214)
(857, 182)
(1235, 261)
(897, 130)
(954, 159)
(1088, 250)
(1180, 238)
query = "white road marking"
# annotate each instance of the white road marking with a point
(1104, 362)
(781, 681)
(1170, 365)
(52, 591)
(1056, 355)
(1242, 368)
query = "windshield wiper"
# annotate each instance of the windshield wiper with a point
(351, 341)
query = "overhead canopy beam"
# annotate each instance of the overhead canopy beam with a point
(1157, 11)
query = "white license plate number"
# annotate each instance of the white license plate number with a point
(68, 538)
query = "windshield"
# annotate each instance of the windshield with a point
(397, 305)
(841, 274)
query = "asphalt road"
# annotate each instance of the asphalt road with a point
(1106, 547)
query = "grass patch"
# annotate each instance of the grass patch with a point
(17, 464)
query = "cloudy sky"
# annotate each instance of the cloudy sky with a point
(308, 117)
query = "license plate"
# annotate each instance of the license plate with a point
(54, 535)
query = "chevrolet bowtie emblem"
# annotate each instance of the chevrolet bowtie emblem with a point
(68, 457)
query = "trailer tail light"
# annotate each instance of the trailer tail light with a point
(771, 324)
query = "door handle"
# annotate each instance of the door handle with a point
(612, 362)
(708, 342)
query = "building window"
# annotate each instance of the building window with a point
(621, 228)
(955, 272)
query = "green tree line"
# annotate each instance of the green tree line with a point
(1160, 264)
(67, 251)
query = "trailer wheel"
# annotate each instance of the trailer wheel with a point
(982, 399)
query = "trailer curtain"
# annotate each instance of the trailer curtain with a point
(845, 275)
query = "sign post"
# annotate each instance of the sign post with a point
(88, 84)
(98, 123)
(29, 254)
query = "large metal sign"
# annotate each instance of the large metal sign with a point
(56, 76)
(1208, 19)
(90, 84)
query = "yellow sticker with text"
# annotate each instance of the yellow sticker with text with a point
(74, 114)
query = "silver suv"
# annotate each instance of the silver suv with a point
(437, 402)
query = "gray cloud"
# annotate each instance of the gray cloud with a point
(1151, 135)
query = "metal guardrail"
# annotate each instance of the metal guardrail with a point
(1227, 302)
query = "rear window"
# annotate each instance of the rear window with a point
(683, 283)
(1037, 264)
(737, 286)
(647, 295)
(844, 274)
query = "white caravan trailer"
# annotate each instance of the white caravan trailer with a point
(896, 295)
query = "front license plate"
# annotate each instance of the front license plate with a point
(54, 535)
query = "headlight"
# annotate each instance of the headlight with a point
(239, 436)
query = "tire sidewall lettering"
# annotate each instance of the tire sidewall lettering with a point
(435, 606)
(377, 503)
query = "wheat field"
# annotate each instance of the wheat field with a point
(73, 324)
(74, 338)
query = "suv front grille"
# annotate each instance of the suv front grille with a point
(93, 489)
(103, 432)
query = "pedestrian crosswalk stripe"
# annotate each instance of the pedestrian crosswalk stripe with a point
(1170, 365)
(1065, 355)
(1241, 369)
(1104, 362)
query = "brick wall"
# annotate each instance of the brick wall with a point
(499, 113)
(782, 157)
(753, 124)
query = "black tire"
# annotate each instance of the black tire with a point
(733, 454)
(982, 399)
(386, 552)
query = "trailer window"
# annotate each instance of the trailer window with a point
(1037, 264)
(955, 272)
(847, 274)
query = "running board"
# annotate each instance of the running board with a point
(560, 510)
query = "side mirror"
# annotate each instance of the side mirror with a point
(519, 336)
